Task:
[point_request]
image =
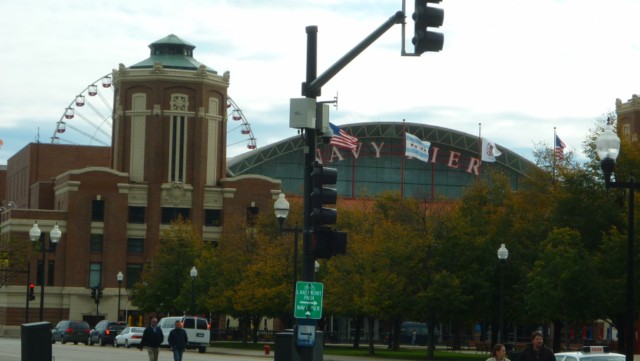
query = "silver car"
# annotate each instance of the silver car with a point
(129, 336)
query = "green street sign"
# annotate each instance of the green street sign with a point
(308, 300)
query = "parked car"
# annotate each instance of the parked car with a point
(590, 353)
(197, 328)
(71, 331)
(129, 336)
(105, 332)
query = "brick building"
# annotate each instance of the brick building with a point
(167, 158)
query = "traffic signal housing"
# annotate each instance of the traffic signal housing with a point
(93, 293)
(99, 293)
(425, 17)
(32, 291)
(326, 243)
(321, 195)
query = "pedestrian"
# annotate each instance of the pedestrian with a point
(498, 353)
(536, 350)
(152, 337)
(413, 336)
(178, 341)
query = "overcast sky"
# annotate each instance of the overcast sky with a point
(519, 67)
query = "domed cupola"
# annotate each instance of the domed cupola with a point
(173, 53)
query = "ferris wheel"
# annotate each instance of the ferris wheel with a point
(87, 120)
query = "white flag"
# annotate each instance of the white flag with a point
(416, 148)
(489, 151)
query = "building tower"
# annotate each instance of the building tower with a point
(169, 134)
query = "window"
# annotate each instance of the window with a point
(97, 210)
(136, 214)
(51, 273)
(133, 274)
(171, 214)
(95, 243)
(252, 215)
(213, 217)
(135, 245)
(40, 273)
(95, 274)
(177, 161)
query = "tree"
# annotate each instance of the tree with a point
(165, 284)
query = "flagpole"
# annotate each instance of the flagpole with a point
(402, 151)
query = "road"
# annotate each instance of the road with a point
(11, 350)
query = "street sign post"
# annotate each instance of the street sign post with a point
(308, 300)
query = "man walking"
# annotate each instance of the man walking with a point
(152, 337)
(178, 341)
(536, 350)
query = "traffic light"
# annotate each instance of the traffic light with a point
(93, 293)
(424, 17)
(321, 195)
(99, 293)
(327, 242)
(32, 293)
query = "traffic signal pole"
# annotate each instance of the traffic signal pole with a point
(311, 88)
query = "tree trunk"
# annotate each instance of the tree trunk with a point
(370, 322)
(356, 338)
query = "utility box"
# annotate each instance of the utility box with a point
(302, 113)
(36, 341)
(285, 347)
(322, 119)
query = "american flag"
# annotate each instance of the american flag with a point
(559, 148)
(342, 139)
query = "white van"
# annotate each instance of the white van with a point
(197, 331)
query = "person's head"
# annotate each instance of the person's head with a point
(499, 351)
(153, 322)
(537, 339)
(178, 324)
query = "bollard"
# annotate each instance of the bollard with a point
(267, 349)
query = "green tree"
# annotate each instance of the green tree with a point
(165, 285)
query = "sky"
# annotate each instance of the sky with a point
(517, 67)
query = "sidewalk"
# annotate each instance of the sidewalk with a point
(261, 354)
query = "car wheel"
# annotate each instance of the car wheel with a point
(126, 344)
(202, 349)
(75, 342)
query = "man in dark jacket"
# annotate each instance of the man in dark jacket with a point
(536, 350)
(178, 341)
(152, 337)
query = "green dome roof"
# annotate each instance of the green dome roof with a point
(173, 53)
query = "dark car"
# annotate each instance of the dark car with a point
(105, 332)
(71, 331)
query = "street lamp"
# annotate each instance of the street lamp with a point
(54, 236)
(503, 254)
(608, 148)
(119, 276)
(281, 209)
(193, 273)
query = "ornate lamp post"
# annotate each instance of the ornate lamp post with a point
(503, 254)
(193, 273)
(608, 148)
(35, 234)
(281, 209)
(119, 277)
